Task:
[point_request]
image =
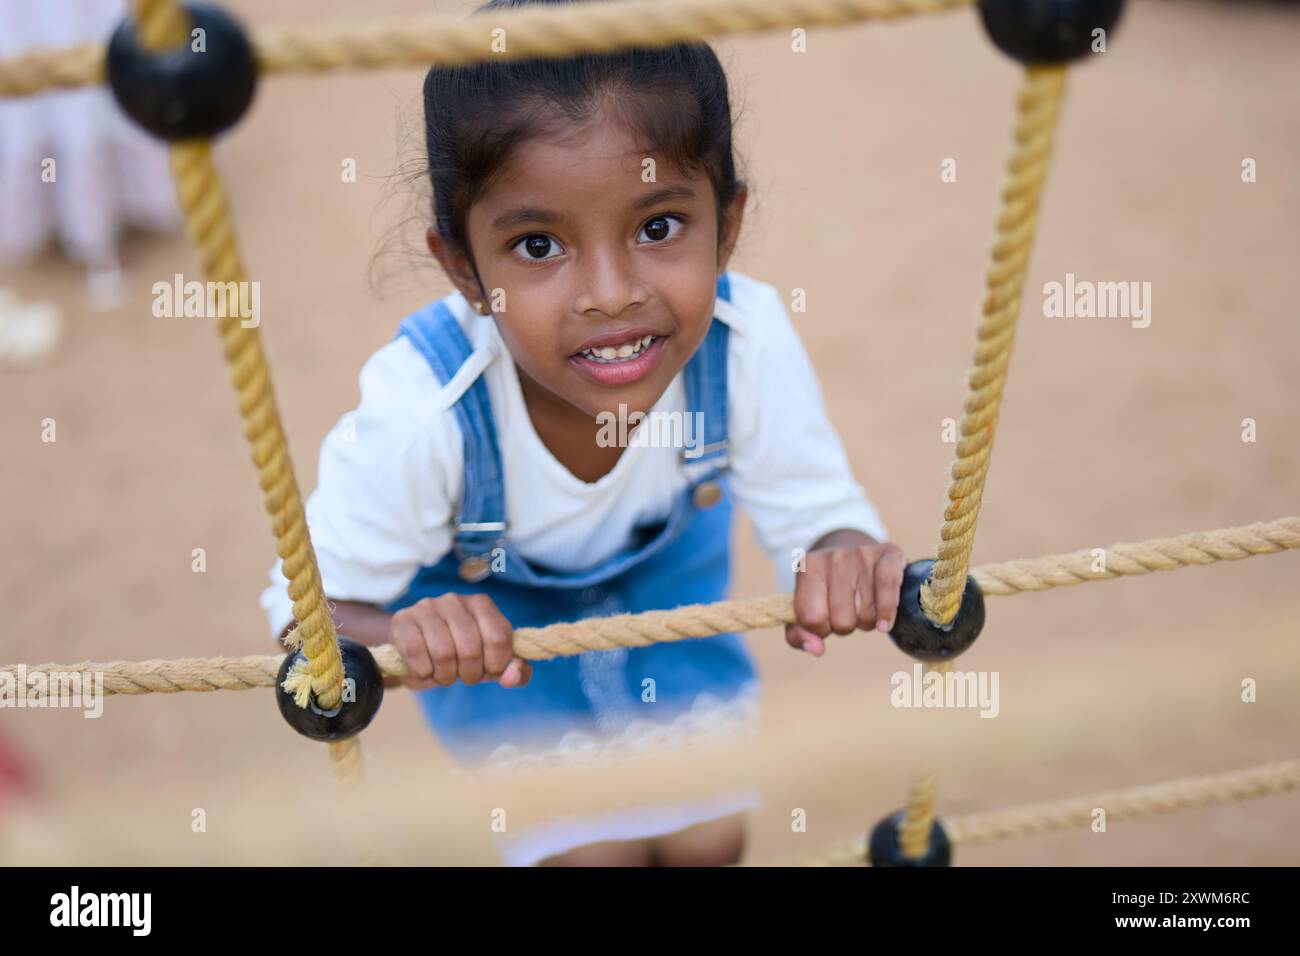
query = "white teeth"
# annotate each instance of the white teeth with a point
(609, 353)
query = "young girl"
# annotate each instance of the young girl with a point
(498, 472)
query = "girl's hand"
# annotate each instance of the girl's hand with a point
(457, 637)
(841, 590)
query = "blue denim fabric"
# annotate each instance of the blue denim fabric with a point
(685, 560)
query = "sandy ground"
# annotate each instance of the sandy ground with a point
(1108, 432)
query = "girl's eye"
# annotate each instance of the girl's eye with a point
(539, 247)
(536, 247)
(659, 228)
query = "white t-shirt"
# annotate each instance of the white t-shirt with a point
(391, 473)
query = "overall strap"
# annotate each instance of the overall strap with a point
(481, 523)
(706, 394)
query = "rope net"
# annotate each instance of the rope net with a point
(456, 41)
(597, 27)
(1189, 793)
(205, 674)
(1039, 105)
(210, 227)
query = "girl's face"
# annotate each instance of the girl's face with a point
(602, 283)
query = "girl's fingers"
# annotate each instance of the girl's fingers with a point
(802, 639)
(495, 631)
(889, 579)
(407, 637)
(442, 650)
(465, 638)
(517, 673)
(418, 683)
(847, 566)
(811, 605)
(865, 602)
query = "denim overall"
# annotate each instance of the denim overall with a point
(685, 560)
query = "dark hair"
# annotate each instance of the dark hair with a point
(673, 99)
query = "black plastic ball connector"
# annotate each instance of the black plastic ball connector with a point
(361, 698)
(1048, 31)
(916, 636)
(884, 849)
(192, 91)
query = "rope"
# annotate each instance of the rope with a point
(456, 41)
(349, 777)
(347, 763)
(918, 810)
(918, 815)
(1140, 557)
(1038, 106)
(701, 620)
(1132, 804)
(596, 28)
(160, 24)
(210, 228)
(62, 69)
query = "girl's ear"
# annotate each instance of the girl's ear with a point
(457, 265)
(732, 217)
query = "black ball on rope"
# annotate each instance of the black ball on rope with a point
(916, 636)
(363, 692)
(1048, 31)
(192, 91)
(883, 848)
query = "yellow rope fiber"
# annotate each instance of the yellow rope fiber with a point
(1038, 107)
(448, 41)
(211, 229)
(603, 27)
(59, 69)
(347, 763)
(702, 620)
(1131, 804)
(918, 809)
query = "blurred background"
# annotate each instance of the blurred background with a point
(1108, 432)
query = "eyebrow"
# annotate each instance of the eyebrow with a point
(535, 214)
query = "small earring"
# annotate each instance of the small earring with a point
(478, 307)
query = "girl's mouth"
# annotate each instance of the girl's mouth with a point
(620, 364)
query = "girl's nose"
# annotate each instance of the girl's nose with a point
(610, 286)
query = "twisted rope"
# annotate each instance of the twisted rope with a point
(1131, 804)
(62, 69)
(702, 620)
(1140, 557)
(349, 777)
(1038, 107)
(162, 23)
(455, 41)
(918, 815)
(918, 809)
(347, 763)
(210, 227)
(596, 28)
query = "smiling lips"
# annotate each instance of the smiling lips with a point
(612, 353)
(619, 363)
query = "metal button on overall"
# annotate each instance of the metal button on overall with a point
(707, 494)
(474, 569)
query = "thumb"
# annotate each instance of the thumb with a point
(800, 638)
(517, 673)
